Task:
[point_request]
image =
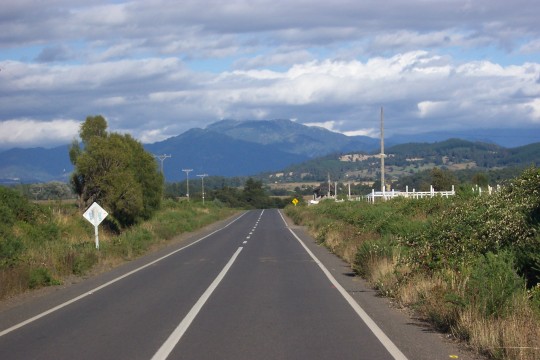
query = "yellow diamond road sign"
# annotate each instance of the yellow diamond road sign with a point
(295, 201)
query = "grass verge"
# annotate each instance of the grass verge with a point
(42, 245)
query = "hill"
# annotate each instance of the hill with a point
(407, 159)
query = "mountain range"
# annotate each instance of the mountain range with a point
(225, 148)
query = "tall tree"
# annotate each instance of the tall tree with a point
(116, 171)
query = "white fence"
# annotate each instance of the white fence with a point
(385, 195)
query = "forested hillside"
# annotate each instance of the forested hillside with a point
(463, 157)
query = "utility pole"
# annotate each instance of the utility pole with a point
(202, 176)
(329, 185)
(162, 159)
(187, 171)
(383, 187)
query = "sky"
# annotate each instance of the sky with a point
(157, 68)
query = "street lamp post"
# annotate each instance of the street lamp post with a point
(202, 176)
(187, 171)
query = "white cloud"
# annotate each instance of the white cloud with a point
(328, 125)
(26, 132)
(534, 108)
(155, 69)
(431, 108)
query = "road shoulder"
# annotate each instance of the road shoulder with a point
(417, 339)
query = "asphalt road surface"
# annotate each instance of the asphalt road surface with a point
(253, 287)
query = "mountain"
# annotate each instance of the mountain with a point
(293, 137)
(210, 152)
(226, 148)
(35, 165)
(238, 148)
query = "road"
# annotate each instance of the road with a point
(249, 289)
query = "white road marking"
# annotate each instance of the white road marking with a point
(177, 334)
(375, 329)
(69, 302)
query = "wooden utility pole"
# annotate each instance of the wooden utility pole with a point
(383, 187)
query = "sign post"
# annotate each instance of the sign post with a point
(95, 215)
(295, 201)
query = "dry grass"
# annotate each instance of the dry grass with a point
(14, 281)
(383, 276)
(343, 242)
(516, 336)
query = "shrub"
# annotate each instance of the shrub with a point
(370, 252)
(41, 277)
(505, 220)
(492, 284)
(10, 249)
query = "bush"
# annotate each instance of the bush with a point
(370, 252)
(508, 219)
(492, 284)
(41, 277)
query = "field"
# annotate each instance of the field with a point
(469, 264)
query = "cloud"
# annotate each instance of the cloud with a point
(156, 69)
(26, 132)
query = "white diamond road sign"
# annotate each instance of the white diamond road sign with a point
(95, 214)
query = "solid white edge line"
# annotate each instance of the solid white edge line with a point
(375, 329)
(69, 302)
(177, 334)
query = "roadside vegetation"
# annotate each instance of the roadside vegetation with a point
(469, 264)
(43, 245)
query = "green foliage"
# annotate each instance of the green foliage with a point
(41, 277)
(442, 180)
(534, 296)
(23, 223)
(492, 284)
(10, 249)
(252, 196)
(81, 258)
(117, 172)
(92, 127)
(508, 219)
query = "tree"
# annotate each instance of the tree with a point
(442, 179)
(94, 126)
(480, 179)
(115, 171)
(254, 194)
